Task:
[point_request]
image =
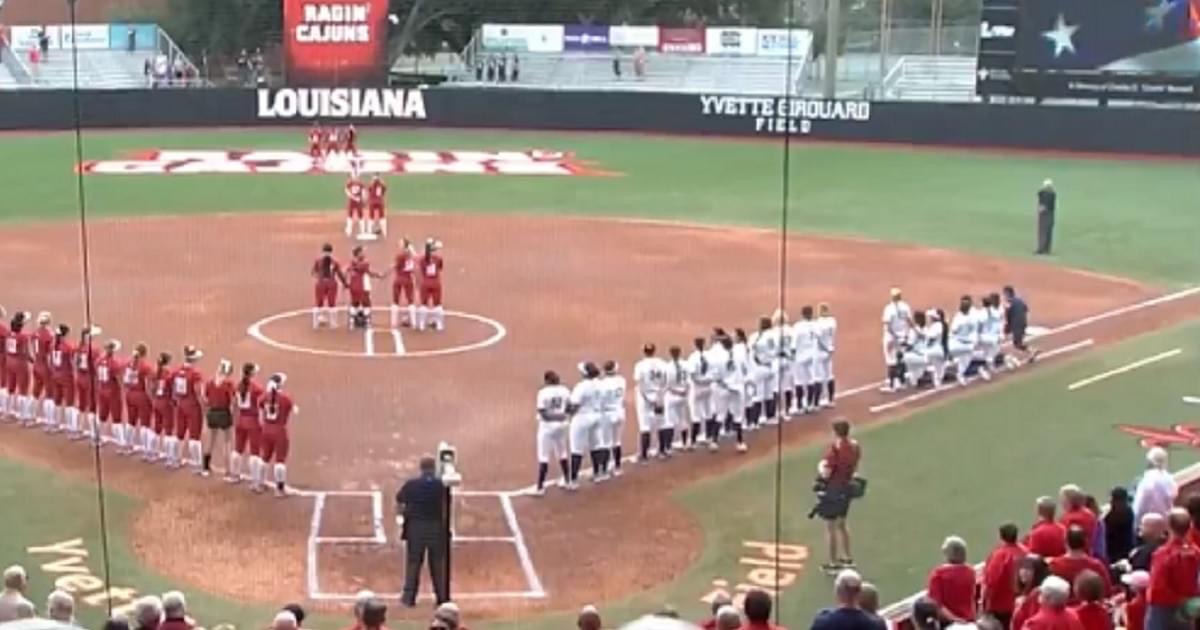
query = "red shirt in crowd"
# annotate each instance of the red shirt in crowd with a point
(1053, 619)
(1047, 539)
(1000, 578)
(1194, 536)
(1135, 612)
(842, 458)
(1093, 616)
(1173, 570)
(1083, 519)
(952, 586)
(1069, 568)
(1027, 607)
(752, 625)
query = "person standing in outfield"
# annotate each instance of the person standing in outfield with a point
(675, 402)
(248, 431)
(331, 140)
(274, 446)
(162, 443)
(43, 337)
(700, 394)
(109, 403)
(376, 198)
(17, 355)
(613, 387)
(764, 356)
(650, 381)
(218, 396)
(356, 199)
(1047, 204)
(552, 401)
(85, 399)
(731, 372)
(964, 338)
(822, 374)
(62, 383)
(431, 287)
(316, 137)
(838, 468)
(186, 390)
(359, 276)
(585, 419)
(404, 274)
(1016, 321)
(327, 272)
(350, 140)
(808, 387)
(136, 380)
(897, 320)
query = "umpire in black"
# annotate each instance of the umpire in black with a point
(1047, 199)
(421, 503)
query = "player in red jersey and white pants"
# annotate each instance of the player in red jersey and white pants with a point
(277, 408)
(404, 284)
(109, 404)
(350, 140)
(315, 139)
(83, 414)
(376, 212)
(39, 399)
(247, 429)
(430, 311)
(62, 383)
(189, 415)
(162, 440)
(327, 272)
(17, 356)
(356, 199)
(135, 378)
(359, 276)
(4, 333)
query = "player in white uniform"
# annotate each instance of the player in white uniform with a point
(553, 400)
(741, 354)
(650, 379)
(700, 395)
(731, 371)
(764, 369)
(992, 331)
(612, 387)
(916, 361)
(936, 343)
(822, 374)
(808, 388)
(784, 363)
(897, 321)
(675, 401)
(585, 423)
(964, 339)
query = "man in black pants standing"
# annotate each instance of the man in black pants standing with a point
(421, 503)
(1047, 198)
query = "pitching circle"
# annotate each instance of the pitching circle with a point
(255, 331)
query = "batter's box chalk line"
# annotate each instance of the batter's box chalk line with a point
(378, 342)
(533, 582)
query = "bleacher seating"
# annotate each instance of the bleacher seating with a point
(930, 78)
(98, 69)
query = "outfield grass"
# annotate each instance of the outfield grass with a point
(1123, 217)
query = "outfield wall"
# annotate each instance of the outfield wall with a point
(1117, 130)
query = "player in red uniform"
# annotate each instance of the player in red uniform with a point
(277, 407)
(39, 398)
(316, 137)
(327, 272)
(62, 383)
(355, 203)
(109, 403)
(359, 281)
(4, 333)
(376, 212)
(85, 400)
(162, 440)
(350, 140)
(430, 310)
(218, 401)
(189, 410)
(17, 354)
(135, 378)
(246, 433)
(404, 281)
(331, 140)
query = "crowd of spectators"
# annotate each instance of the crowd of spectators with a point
(497, 68)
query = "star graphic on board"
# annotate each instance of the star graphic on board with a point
(1061, 36)
(1156, 14)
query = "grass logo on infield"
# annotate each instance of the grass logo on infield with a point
(785, 116)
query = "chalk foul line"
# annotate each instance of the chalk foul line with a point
(1128, 367)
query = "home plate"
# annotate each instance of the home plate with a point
(1192, 400)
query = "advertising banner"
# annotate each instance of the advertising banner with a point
(585, 37)
(637, 36)
(681, 40)
(26, 37)
(780, 42)
(523, 37)
(85, 36)
(144, 36)
(327, 43)
(731, 41)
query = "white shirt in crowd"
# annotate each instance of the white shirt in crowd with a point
(552, 403)
(1155, 493)
(650, 377)
(897, 318)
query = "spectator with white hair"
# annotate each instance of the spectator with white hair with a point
(1152, 530)
(720, 599)
(15, 583)
(1075, 512)
(147, 613)
(285, 620)
(1173, 576)
(728, 618)
(952, 583)
(589, 619)
(1052, 613)
(1156, 491)
(60, 607)
(847, 615)
(175, 612)
(450, 616)
(868, 601)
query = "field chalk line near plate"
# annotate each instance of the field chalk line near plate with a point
(400, 351)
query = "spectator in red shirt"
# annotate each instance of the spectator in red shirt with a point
(720, 599)
(952, 584)
(1174, 571)
(1193, 508)
(757, 608)
(1134, 612)
(1078, 560)
(1091, 611)
(175, 612)
(999, 582)
(838, 467)
(1075, 512)
(1052, 613)
(1030, 575)
(1047, 538)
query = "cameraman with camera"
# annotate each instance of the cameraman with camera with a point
(421, 505)
(836, 486)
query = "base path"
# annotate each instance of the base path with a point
(563, 290)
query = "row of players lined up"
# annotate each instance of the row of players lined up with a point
(324, 141)
(409, 272)
(728, 384)
(919, 346)
(155, 410)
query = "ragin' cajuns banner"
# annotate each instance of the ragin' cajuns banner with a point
(335, 43)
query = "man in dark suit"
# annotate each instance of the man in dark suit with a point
(1047, 200)
(421, 502)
